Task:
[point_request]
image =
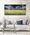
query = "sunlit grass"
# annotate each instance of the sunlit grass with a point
(15, 12)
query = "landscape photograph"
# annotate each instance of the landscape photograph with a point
(15, 9)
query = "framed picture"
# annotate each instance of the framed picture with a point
(15, 9)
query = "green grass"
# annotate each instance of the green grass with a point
(15, 12)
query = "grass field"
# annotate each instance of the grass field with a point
(15, 12)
